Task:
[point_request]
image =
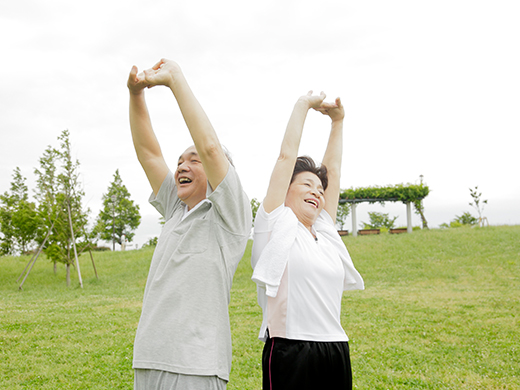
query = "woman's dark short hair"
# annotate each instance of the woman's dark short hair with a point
(307, 164)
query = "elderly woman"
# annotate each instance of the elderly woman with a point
(300, 264)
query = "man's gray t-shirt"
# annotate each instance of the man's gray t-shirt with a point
(184, 326)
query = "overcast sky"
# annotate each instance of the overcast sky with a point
(429, 88)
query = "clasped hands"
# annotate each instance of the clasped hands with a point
(162, 73)
(166, 71)
(334, 110)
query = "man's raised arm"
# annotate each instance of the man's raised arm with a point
(145, 143)
(213, 158)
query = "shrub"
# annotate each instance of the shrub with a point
(379, 220)
(151, 242)
(466, 219)
(96, 248)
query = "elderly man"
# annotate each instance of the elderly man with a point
(183, 339)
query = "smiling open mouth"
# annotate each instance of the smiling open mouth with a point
(184, 180)
(311, 201)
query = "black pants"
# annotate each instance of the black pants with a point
(300, 365)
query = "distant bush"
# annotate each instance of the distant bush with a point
(96, 248)
(342, 214)
(465, 219)
(151, 242)
(379, 220)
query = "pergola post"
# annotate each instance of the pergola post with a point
(409, 217)
(354, 220)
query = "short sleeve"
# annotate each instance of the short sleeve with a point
(264, 223)
(166, 201)
(232, 204)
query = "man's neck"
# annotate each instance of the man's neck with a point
(191, 205)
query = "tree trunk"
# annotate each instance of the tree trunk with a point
(55, 268)
(68, 275)
(424, 222)
(419, 210)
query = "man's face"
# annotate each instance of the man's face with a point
(190, 178)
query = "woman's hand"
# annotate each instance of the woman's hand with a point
(136, 82)
(165, 72)
(334, 110)
(313, 101)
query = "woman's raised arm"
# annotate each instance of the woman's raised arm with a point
(283, 169)
(333, 154)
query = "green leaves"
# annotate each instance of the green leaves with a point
(255, 204)
(342, 214)
(379, 220)
(18, 218)
(120, 215)
(57, 190)
(399, 192)
(478, 203)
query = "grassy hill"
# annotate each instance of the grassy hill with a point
(441, 310)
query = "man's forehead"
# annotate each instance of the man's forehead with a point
(190, 152)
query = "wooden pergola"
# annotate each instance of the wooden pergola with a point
(354, 202)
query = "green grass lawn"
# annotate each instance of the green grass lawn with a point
(441, 310)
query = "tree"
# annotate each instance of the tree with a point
(45, 193)
(255, 204)
(419, 209)
(379, 220)
(119, 216)
(477, 203)
(6, 230)
(18, 220)
(151, 242)
(60, 195)
(342, 214)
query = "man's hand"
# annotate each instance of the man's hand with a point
(136, 82)
(334, 110)
(165, 72)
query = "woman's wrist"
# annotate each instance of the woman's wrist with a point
(303, 102)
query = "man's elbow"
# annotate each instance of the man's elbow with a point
(212, 152)
(147, 159)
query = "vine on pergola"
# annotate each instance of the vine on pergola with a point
(409, 193)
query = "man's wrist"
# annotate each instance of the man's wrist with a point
(176, 79)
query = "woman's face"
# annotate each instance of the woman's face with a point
(305, 197)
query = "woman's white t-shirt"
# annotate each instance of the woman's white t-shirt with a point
(308, 303)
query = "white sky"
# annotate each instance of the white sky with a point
(429, 88)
